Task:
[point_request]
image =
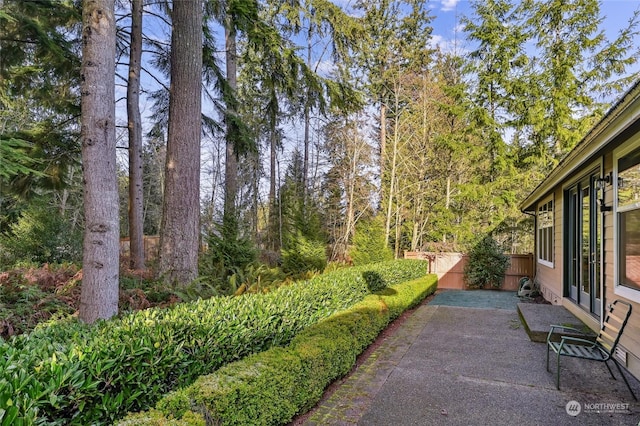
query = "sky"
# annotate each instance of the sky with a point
(448, 13)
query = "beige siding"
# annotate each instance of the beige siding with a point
(631, 338)
(619, 129)
(550, 278)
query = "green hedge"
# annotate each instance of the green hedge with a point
(271, 387)
(71, 373)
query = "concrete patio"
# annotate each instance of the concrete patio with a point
(460, 365)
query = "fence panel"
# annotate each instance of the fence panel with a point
(151, 246)
(450, 268)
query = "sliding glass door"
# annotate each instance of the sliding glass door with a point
(583, 245)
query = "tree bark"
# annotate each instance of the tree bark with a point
(101, 248)
(231, 161)
(179, 234)
(136, 201)
(307, 122)
(383, 146)
(274, 217)
(392, 178)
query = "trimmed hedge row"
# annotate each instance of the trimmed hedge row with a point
(271, 387)
(71, 373)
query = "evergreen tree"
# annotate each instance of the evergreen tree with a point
(101, 247)
(134, 127)
(39, 102)
(495, 63)
(576, 66)
(180, 231)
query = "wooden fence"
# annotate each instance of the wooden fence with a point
(450, 268)
(151, 246)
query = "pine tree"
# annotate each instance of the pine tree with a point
(180, 231)
(134, 126)
(576, 66)
(100, 263)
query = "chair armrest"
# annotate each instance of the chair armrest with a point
(555, 327)
(564, 327)
(569, 339)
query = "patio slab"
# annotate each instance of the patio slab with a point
(449, 365)
(481, 299)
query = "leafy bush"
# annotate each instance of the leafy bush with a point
(369, 243)
(303, 255)
(487, 265)
(272, 386)
(228, 253)
(260, 278)
(71, 373)
(41, 237)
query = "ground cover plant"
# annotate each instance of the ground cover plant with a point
(31, 294)
(71, 373)
(271, 387)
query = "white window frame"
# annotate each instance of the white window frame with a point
(618, 289)
(539, 241)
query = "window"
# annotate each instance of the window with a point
(545, 233)
(627, 198)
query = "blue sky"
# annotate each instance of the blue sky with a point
(448, 13)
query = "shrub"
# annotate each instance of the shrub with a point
(71, 373)
(369, 243)
(41, 237)
(303, 255)
(273, 386)
(228, 254)
(487, 265)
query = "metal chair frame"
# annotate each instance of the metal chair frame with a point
(602, 349)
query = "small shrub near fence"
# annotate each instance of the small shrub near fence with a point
(487, 265)
(271, 387)
(71, 373)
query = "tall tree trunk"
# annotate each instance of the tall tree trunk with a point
(447, 202)
(231, 160)
(398, 226)
(255, 203)
(305, 163)
(392, 178)
(136, 201)
(179, 234)
(307, 123)
(100, 262)
(350, 187)
(383, 147)
(274, 217)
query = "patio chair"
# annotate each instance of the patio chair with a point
(602, 349)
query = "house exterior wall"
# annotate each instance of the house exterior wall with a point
(630, 340)
(549, 277)
(552, 279)
(616, 136)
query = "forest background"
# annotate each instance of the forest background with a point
(313, 131)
